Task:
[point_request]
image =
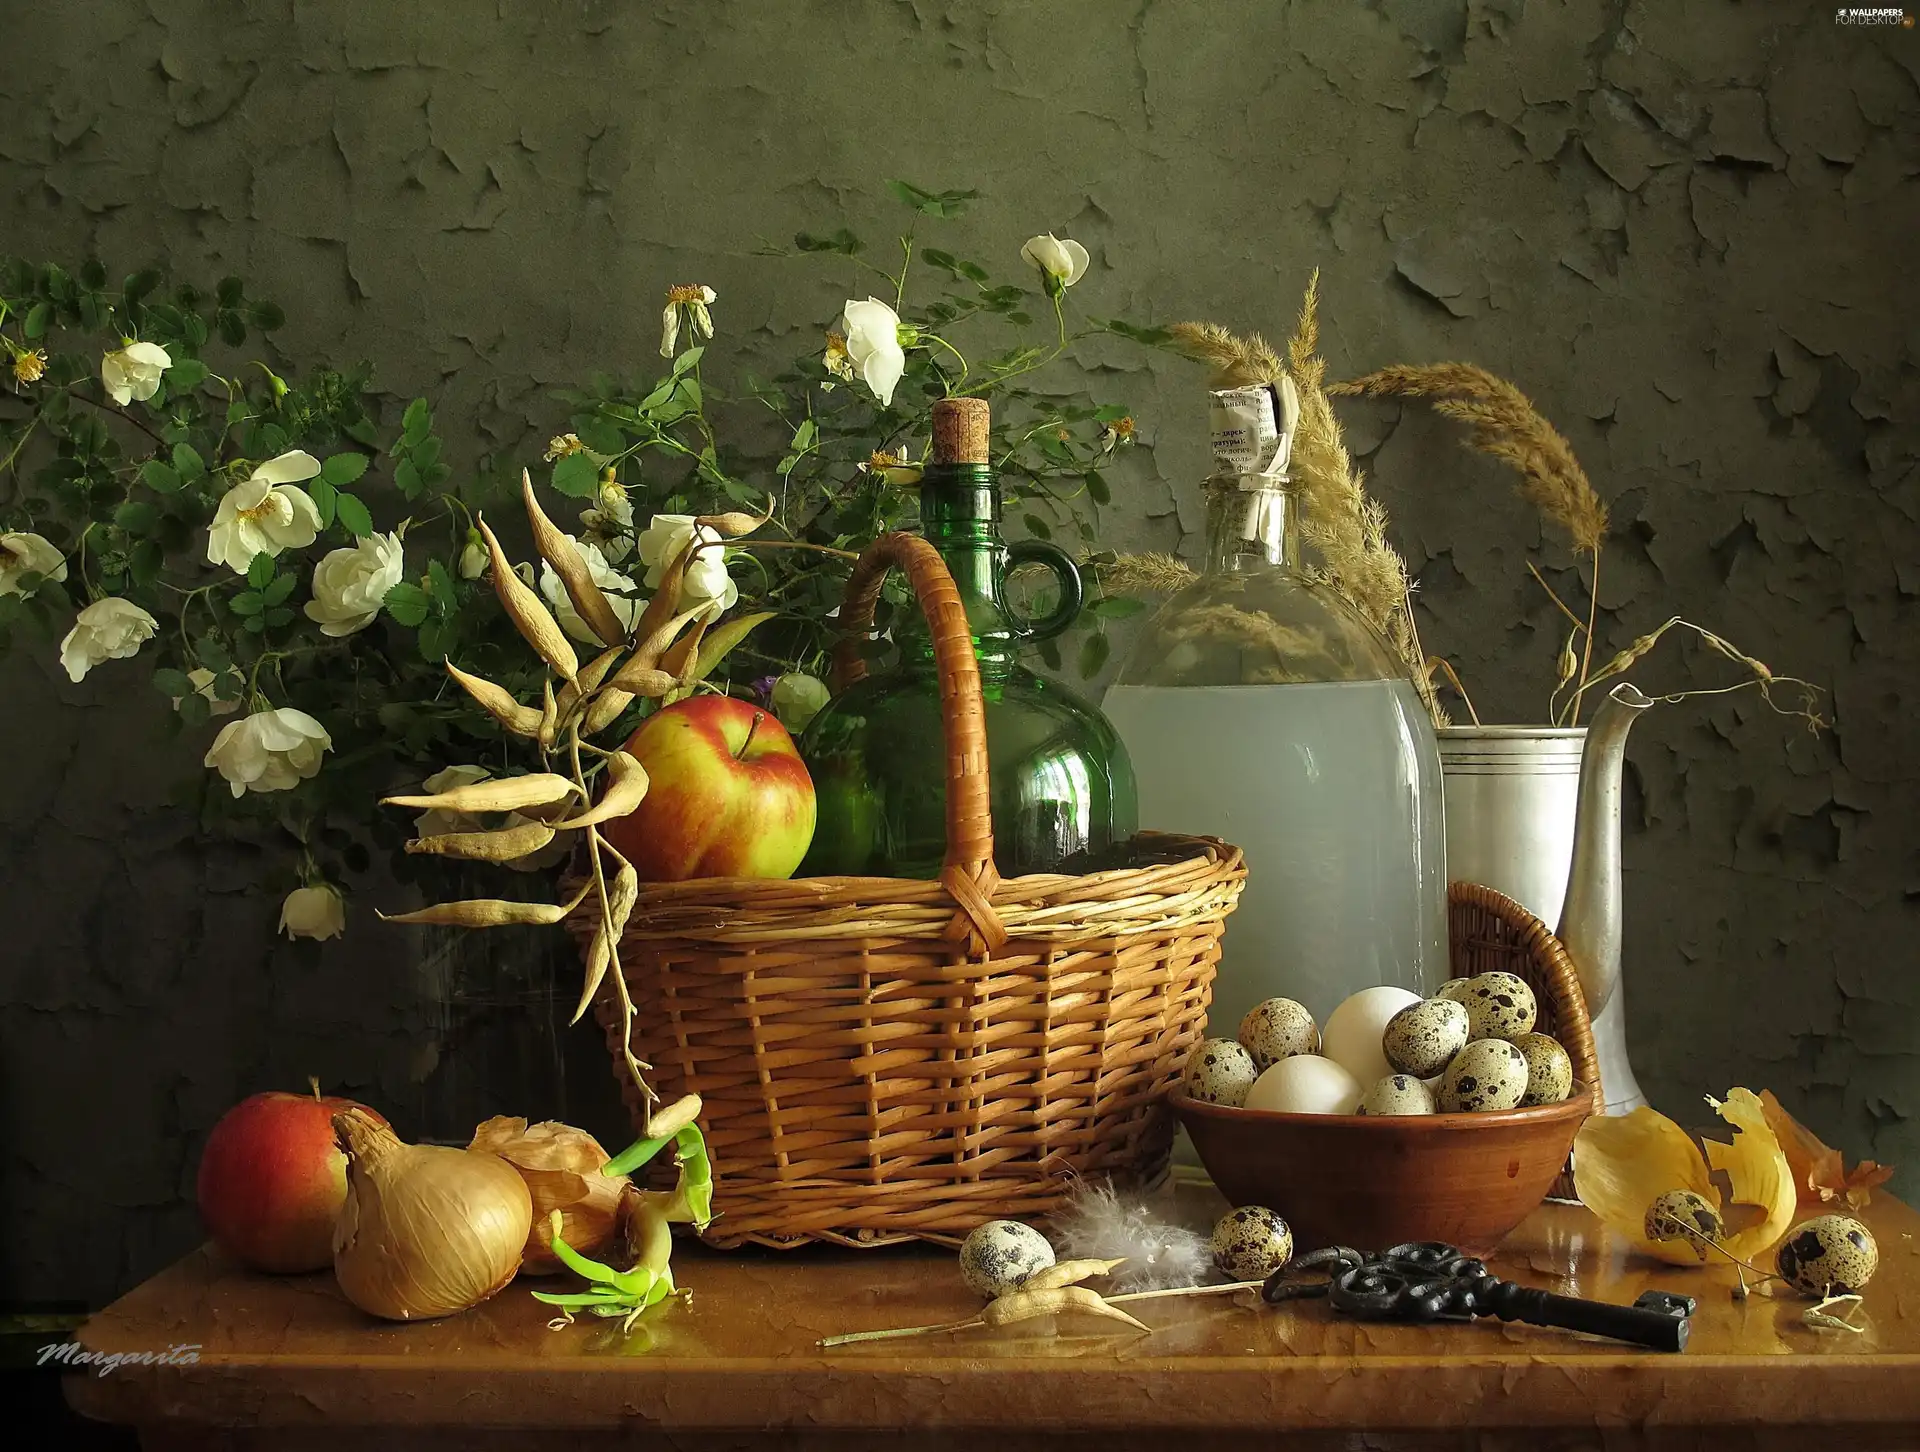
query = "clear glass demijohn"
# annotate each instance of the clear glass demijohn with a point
(1261, 708)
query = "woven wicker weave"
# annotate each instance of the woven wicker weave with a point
(882, 1059)
(1489, 932)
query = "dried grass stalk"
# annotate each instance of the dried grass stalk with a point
(1236, 362)
(1148, 571)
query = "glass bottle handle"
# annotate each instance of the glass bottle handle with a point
(1072, 589)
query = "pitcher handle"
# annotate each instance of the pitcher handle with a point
(1073, 590)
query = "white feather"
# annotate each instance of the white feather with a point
(1098, 1224)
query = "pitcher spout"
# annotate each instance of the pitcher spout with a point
(1590, 919)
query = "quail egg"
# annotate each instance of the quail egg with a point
(999, 1256)
(1683, 1215)
(1220, 1072)
(1278, 1029)
(1486, 1074)
(1549, 1070)
(1422, 1038)
(1397, 1094)
(1454, 988)
(1251, 1243)
(1499, 1006)
(1829, 1255)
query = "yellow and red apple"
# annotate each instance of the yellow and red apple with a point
(272, 1180)
(728, 795)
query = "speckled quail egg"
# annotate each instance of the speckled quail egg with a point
(1454, 988)
(1549, 1070)
(1251, 1243)
(998, 1256)
(1486, 1074)
(1422, 1038)
(1499, 1006)
(1683, 1215)
(1829, 1255)
(1278, 1029)
(1397, 1094)
(1220, 1071)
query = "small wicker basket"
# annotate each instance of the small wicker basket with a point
(1488, 932)
(884, 1059)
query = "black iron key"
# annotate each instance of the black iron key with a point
(1428, 1281)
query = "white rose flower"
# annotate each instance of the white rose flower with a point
(873, 346)
(107, 629)
(134, 372)
(610, 526)
(314, 912)
(1062, 259)
(265, 515)
(26, 553)
(695, 299)
(797, 699)
(269, 751)
(706, 579)
(626, 607)
(201, 679)
(349, 585)
(475, 558)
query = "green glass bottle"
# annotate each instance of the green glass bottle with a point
(1062, 784)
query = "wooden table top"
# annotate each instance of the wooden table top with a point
(291, 1359)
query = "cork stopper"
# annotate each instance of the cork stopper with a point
(961, 429)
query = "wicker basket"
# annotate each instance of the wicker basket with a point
(1489, 932)
(883, 1059)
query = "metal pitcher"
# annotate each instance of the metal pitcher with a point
(1535, 812)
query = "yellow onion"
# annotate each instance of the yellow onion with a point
(561, 1167)
(427, 1230)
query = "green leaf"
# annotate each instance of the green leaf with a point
(1097, 489)
(246, 604)
(576, 476)
(417, 421)
(1116, 607)
(686, 361)
(718, 643)
(187, 460)
(229, 291)
(279, 617)
(93, 274)
(260, 570)
(136, 516)
(406, 477)
(1093, 655)
(36, 324)
(342, 469)
(169, 682)
(159, 477)
(325, 498)
(139, 285)
(1036, 526)
(439, 639)
(353, 515)
(408, 604)
(194, 709)
(277, 591)
(145, 561)
(211, 652)
(440, 587)
(186, 375)
(804, 436)
(1111, 413)
(233, 328)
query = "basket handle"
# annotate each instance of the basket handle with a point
(967, 872)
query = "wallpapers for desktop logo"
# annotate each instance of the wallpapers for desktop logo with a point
(1872, 15)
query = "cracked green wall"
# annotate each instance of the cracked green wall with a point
(1684, 229)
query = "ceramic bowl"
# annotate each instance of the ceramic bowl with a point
(1371, 1181)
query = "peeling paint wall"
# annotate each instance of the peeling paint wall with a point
(1685, 229)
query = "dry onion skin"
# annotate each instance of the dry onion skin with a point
(562, 1169)
(426, 1230)
(1622, 1164)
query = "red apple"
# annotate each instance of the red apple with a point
(272, 1180)
(727, 795)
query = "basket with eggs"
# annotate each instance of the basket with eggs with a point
(1400, 1118)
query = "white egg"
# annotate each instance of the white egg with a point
(1305, 1084)
(1354, 1031)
